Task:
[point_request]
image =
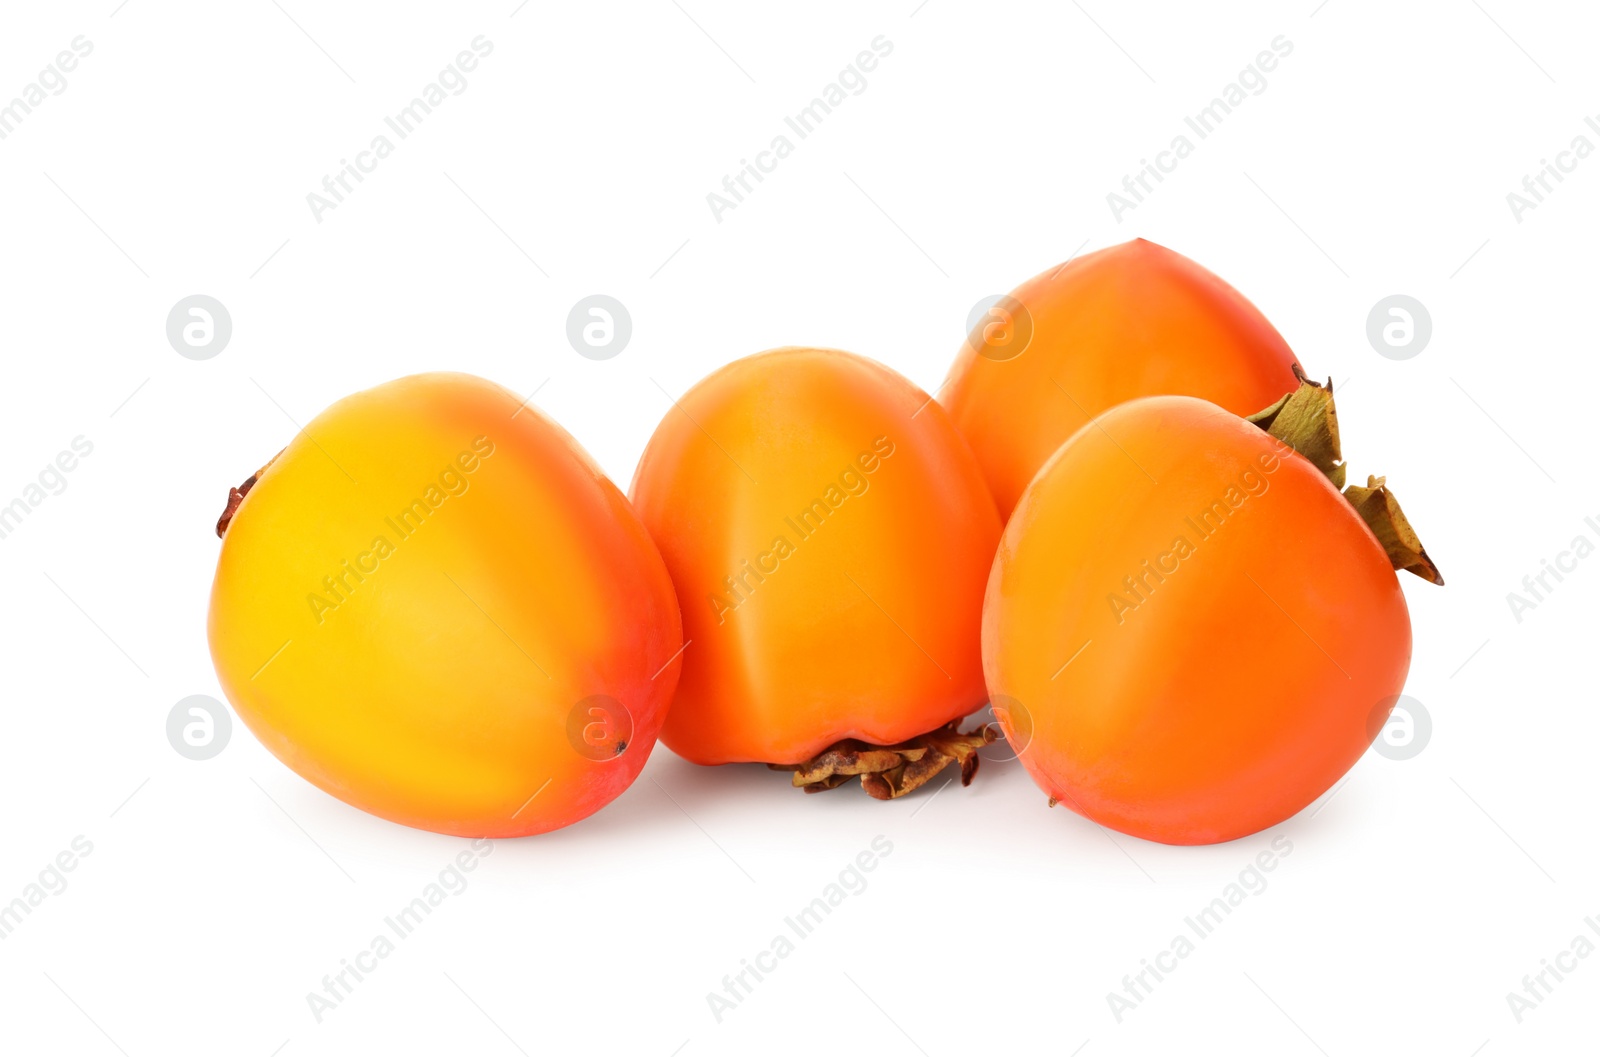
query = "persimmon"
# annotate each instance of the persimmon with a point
(434, 606)
(829, 535)
(1124, 322)
(1197, 625)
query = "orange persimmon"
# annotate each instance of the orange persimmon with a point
(1202, 633)
(1124, 322)
(830, 535)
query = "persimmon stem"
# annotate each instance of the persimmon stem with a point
(1306, 421)
(236, 496)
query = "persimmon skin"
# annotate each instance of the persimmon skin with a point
(437, 689)
(1131, 320)
(1230, 693)
(869, 627)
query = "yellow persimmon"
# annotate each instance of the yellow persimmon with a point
(435, 607)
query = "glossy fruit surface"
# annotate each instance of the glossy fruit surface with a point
(829, 535)
(435, 607)
(1201, 632)
(1128, 321)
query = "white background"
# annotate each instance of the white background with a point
(218, 893)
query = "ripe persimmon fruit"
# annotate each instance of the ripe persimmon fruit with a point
(1124, 322)
(434, 606)
(1194, 620)
(829, 534)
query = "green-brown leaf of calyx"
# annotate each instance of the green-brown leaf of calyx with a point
(891, 771)
(1378, 508)
(1306, 421)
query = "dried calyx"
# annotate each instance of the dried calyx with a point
(1306, 421)
(236, 496)
(890, 771)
